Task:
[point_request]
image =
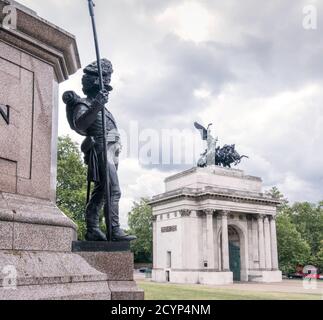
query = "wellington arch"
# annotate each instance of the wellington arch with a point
(214, 225)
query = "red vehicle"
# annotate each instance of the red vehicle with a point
(308, 272)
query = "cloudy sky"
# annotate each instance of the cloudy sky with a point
(250, 67)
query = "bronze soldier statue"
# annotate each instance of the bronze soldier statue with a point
(85, 117)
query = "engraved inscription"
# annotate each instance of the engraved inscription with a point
(5, 113)
(168, 229)
(17, 91)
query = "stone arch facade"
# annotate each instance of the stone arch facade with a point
(189, 218)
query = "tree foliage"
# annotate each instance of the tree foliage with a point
(140, 224)
(71, 182)
(308, 219)
(299, 233)
(292, 248)
(319, 257)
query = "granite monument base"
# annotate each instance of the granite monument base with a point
(37, 262)
(31, 224)
(32, 275)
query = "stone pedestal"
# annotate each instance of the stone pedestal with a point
(118, 267)
(36, 259)
(115, 261)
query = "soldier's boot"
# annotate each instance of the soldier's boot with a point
(119, 235)
(93, 232)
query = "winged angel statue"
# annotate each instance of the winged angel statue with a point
(214, 155)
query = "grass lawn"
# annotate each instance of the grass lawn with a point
(166, 291)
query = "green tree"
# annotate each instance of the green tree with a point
(319, 257)
(308, 219)
(71, 182)
(276, 194)
(292, 248)
(140, 224)
(299, 232)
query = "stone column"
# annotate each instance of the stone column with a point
(261, 243)
(210, 238)
(267, 243)
(273, 235)
(250, 241)
(255, 245)
(225, 242)
(154, 219)
(185, 247)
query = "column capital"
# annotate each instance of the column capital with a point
(260, 216)
(224, 213)
(154, 218)
(185, 212)
(209, 211)
(272, 217)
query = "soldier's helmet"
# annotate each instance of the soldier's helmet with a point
(92, 68)
(90, 80)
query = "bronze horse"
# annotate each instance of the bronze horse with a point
(227, 155)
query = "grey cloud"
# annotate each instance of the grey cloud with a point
(273, 54)
(168, 99)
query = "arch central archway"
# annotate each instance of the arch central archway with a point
(238, 251)
(234, 253)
